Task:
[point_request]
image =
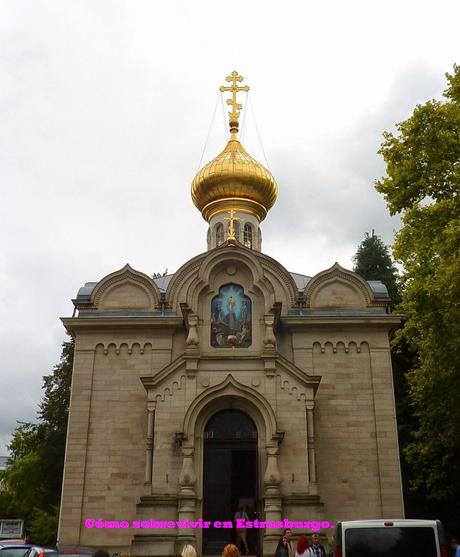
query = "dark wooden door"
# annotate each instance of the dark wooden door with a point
(217, 500)
(229, 477)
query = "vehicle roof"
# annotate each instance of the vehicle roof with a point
(399, 521)
(77, 552)
(12, 545)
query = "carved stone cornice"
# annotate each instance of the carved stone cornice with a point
(74, 324)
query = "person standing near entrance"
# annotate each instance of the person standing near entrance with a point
(288, 533)
(188, 551)
(316, 547)
(303, 548)
(241, 532)
(282, 549)
(230, 550)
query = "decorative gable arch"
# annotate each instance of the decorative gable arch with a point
(264, 274)
(337, 288)
(126, 290)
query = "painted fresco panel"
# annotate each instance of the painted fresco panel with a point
(231, 318)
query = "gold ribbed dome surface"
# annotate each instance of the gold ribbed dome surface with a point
(235, 179)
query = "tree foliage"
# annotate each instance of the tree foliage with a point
(423, 184)
(44, 525)
(373, 262)
(32, 482)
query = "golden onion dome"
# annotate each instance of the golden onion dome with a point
(234, 180)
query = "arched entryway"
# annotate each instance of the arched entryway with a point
(230, 477)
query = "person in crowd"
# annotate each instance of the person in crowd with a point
(303, 548)
(241, 532)
(456, 547)
(282, 549)
(288, 533)
(230, 550)
(317, 549)
(188, 551)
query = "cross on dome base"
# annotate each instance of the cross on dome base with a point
(241, 228)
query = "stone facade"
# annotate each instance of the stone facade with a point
(316, 381)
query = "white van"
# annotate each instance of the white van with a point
(390, 538)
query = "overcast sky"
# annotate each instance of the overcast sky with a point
(104, 112)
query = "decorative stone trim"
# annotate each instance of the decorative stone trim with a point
(170, 390)
(351, 346)
(130, 347)
(176, 283)
(294, 391)
(285, 278)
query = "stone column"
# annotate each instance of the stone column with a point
(192, 338)
(186, 509)
(312, 483)
(273, 504)
(187, 477)
(269, 337)
(149, 443)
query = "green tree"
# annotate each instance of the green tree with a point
(32, 482)
(373, 262)
(44, 525)
(53, 413)
(423, 184)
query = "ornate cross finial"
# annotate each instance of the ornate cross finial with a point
(234, 79)
(231, 224)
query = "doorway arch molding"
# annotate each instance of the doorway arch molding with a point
(230, 394)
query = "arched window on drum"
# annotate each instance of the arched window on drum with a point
(219, 234)
(236, 228)
(247, 235)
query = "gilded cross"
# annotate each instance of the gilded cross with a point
(231, 224)
(234, 88)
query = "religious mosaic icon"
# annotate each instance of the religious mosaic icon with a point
(231, 318)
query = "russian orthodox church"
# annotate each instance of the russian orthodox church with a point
(229, 384)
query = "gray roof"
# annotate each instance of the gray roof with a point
(301, 281)
(378, 288)
(162, 282)
(85, 291)
(3, 462)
